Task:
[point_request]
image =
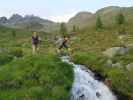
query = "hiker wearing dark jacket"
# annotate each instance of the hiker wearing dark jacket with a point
(64, 43)
(35, 42)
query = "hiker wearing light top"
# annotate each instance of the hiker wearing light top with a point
(35, 42)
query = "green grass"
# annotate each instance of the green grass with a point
(95, 41)
(124, 59)
(94, 61)
(5, 58)
(36, 78)
(88, 45)
(26, 77)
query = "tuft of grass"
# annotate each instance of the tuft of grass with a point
(5, 58)
(124, 59)
(94, 61)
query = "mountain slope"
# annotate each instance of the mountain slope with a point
(79, 19)
(89, 44)
(108, 15)
(29, 22)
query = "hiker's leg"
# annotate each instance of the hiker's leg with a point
(68, 49)
(37, 47)
(58, 50)
(65, 46)
(61, 46)
(33, 49)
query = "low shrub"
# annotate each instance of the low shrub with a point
(16, 52)
(94, 62)
(5, 58)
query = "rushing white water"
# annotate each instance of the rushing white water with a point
(85, 86)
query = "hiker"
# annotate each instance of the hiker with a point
(64, 43)
(35, 42)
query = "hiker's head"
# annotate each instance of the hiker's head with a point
(35, 34)
(65, 37)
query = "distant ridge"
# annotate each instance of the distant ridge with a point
(30, 22)
(81, 19)
(108, 14)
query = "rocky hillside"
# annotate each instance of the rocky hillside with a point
(106, 52)
(81, 20)
(108, 15)
(29, 22)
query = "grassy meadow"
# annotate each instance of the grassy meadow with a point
(25, 76)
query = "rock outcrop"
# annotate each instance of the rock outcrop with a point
(115, 51)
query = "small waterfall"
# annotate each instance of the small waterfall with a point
(85, 86)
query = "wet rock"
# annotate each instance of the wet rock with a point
(82, 96)
(108, 82)
(98, 94)
(99, 77)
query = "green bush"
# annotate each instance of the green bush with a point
(16, 52)
(93, 61)
(84, 58)
(5, 58)
(121, 81)
(124, 59)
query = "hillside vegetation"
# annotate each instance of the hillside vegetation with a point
(107, 14)
(25, 76)
(36, 78)
(29, 22)
(89, 44)
(29, 77)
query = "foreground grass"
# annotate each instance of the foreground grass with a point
(26, 77)
(36, 78)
